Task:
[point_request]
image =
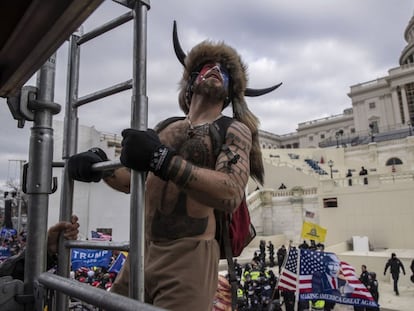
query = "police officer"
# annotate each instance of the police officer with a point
(262, 255)
(395, 265)
(241, 299)
(271, 250)
(281, 254)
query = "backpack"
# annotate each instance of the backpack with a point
(234, 231)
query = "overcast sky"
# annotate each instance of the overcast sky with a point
(317, 48)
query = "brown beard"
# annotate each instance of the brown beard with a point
(210, 90)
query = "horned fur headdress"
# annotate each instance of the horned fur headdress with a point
(208, 51)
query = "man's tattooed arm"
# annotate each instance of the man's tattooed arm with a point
(222, 188)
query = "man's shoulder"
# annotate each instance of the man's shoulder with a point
(164, 123)
(234, 126)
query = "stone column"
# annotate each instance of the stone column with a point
(396, 106)
(267, 212)
(405, 104)
(298, 212)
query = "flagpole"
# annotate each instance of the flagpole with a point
(297, 282)
(281, 270)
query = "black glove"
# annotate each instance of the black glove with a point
(80, 165)
(143, 151)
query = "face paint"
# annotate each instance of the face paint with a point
(220, 69)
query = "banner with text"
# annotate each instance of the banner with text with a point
(90, 258)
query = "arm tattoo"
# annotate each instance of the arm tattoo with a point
(186, 175)
(181, 176)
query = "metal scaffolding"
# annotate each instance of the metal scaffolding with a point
(36, 104)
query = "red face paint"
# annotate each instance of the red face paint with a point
(216, 66)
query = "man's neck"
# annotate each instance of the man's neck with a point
(202, 112)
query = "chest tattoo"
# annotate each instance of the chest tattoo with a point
(171, 220)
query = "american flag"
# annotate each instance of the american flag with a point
(99, 236)
(288, 277)
(311, 262)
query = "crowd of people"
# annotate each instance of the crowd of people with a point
(369, 279)
(98, 277)
(11, 243)
(257, 281)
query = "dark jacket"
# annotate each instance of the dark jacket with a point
(395, 264)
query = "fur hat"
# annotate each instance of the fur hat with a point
(208, 51)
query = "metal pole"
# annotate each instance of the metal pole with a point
(39, 179)
(139, 120)
(96, 296)
(70, 141)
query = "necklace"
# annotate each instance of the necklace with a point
(199, 129)
(192, 126)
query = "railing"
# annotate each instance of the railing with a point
(39, 177)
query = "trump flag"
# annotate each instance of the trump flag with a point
(90, 258)
(318, 275)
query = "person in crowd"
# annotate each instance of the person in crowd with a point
(320, 247)
(395, 266)
(304, 245)
(349, 177)
(14, 266)
(238, 269)
(282, 186)
(364, 172)
(288, 300)
(312, 246)
(281, 254)
(271, 250)
(373, 289)
(262, 253)
(188, 178)
(364, 277)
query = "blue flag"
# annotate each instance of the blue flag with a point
(118, 263)
(4, 253)
(90, 258)
(7, 233)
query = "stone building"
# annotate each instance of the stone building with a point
(381, 109)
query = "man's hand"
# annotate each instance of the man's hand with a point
(69, 229)
(143, 151)
(80, 165)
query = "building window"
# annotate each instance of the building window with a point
(371, 105)
(310, 138)
(373, 125)
(330, 202)
(352, 130)
(393, 161)
(322, 136)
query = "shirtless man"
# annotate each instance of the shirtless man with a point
(187, 181)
